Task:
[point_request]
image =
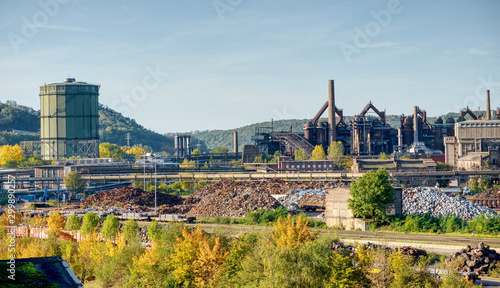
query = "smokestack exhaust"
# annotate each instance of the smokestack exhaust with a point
(331, 113)
(488, 110)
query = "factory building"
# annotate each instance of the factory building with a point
(69, 120)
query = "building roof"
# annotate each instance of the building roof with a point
(55, 269)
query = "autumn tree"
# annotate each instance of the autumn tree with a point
(108, 150)
(318, 153)
(11, 154)
(196, 152)
(55, 221)
(291, 232)
(300, 154)
(137, 151)
(186, 164)
(195, 261)
(370, 194)
(336, 152)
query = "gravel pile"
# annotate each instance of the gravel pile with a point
(297, 198)
(427, 200)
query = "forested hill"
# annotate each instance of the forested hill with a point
(113, 128)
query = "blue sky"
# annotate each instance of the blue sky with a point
(189, 65)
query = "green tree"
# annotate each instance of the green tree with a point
(347, 162)
(196, 151)
(336, 152)
(74, 181)
(110, 227)
(300, 154)
(90, 221)
(318, 153)
(370, 194)
(406, 156)
(220, 149)
(440, 166)
(131, 231)
(73, 222)
(383, 156)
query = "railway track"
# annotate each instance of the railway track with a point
(438, 239)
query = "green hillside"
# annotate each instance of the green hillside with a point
(113, 128)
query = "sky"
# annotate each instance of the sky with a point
(180, 66)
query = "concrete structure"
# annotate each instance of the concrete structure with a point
(472, 136)
(69, 120)
(292, 166)
(249, 153)
(360, 165)
(182, 145)
(338, 214)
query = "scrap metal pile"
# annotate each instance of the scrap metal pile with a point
(304, 198)
(427, 200)
(235, 198)
(489, 198)
(129, 197)
(478, 260)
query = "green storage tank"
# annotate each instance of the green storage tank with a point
(69, 120)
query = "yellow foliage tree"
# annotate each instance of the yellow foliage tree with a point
(318, 153)
(187, 164)
(56, 222)
(137, 151)
(195, 262)
(10, 153)
(291, 233)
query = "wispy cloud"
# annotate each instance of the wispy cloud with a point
(67, 28)
(475, 51)
(5, 25)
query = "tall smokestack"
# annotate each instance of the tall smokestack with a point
(488, 110)
(331, 113)
(415, 124)
(235, 141)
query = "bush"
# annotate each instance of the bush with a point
(263, 216)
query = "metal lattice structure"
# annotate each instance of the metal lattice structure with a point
(62, 149)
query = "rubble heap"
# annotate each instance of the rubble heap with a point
(232, 202)
(478, 260)
(297, 198)
(405, 250)
(427, 200)
(235, 198)
(129, 197)
(493, 193)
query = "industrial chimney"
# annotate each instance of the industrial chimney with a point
(415, 124)
(488, 110)
(235, 142)
(331, 113)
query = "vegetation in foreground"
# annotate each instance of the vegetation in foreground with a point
(289, 255)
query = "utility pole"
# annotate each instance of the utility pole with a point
(128, 139)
